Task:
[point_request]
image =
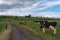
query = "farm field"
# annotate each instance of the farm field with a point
(49, 33)
(33, 27)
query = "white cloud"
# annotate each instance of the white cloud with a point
(48, 14)
(50, 4)
(8, 1)
(16, 12)
(1, 1)
(41, 5)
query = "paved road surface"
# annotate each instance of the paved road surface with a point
(21, 34)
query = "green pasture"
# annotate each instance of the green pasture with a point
(34, 28)
(49, 33)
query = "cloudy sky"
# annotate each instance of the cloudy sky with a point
(45, 8)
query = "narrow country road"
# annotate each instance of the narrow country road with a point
(18, 34)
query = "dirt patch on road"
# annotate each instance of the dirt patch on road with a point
(5, 35)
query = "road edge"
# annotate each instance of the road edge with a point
(6, 34)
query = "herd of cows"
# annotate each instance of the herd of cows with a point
(44, 25)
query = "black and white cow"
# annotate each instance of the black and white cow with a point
(46, 24)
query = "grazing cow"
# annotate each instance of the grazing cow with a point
(23, 22)
(46, 24)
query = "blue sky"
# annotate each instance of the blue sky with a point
(44, 8)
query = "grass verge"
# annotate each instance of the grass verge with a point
(34, 29)
(6, 34)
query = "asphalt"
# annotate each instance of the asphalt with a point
(18, 34)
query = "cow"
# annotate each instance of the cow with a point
(47, 25)
(23, 22)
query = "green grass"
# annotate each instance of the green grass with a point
(2, 26)
(34, 28)
(49, 33)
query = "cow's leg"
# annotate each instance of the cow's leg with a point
(43, 30)
(54, 29)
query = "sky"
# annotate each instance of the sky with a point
(39, 8)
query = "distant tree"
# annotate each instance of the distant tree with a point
(16, 17)
(28, 16)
